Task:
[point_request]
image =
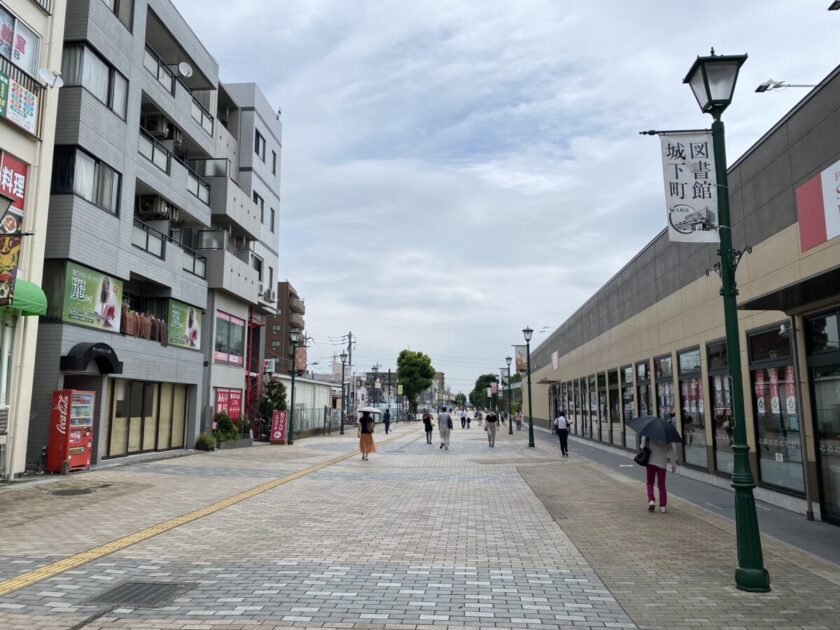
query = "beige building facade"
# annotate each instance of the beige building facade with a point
(651, 341)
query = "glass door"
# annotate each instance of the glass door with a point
(826, 383)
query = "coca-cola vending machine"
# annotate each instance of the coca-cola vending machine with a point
(71, 430)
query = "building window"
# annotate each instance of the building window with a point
(83, 67)
(123, 9)
(691, 405)
(663, 372)
(257, 263)
(146, 417)
(275, 343)
(77, 172)
(274, 163)
(230, 339)
(615, 406)
(776, 410)
(19, 43)
(271, 216)
(721, 398)
(275, 328)
(260, 202)
(271, 277)
(259, 145)
(643, 388)
(626, 397)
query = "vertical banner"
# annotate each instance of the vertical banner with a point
(688, 165)
(300, 359)
(790, 391)
(760, 392)
(278, 427)
(521, 359)
(555, 360)
(494, 388)
(9, 255)
(775, 404)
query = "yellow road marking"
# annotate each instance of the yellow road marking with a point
(71, 562)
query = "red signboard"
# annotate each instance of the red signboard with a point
(278, 427)
(229, 401)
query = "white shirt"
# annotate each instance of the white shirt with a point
(561, 422)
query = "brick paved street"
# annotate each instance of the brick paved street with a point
(417, 537)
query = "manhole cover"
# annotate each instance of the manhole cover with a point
(71, 492)
(142, 594)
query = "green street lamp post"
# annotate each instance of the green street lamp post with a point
(712, 79)
(527, 332)
(343, 356)
(294, 336)
(510, 401)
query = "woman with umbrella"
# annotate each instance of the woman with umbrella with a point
(658, 438)
(366, 423)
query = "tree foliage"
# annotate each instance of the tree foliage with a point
(414, 372)
(460, 399)
(274, 397)
(478, 396)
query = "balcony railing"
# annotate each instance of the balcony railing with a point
(194, 262)
(25, 107)
(201, 116)
(198, 186)
(159, 70)
(154, 151)
(148, 238)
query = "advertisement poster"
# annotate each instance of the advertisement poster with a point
(790, 399)
(817, 201)
(184, 325)
(13, 176)
(278, 427)
(521, 359)
(760, 392)
(229, 401)
(9, 255)
(775, 404)
(688, 164)
(92, 299)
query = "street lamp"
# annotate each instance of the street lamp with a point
(527, 332)
(510, 403)
(772, 84)
(343, 356)
(294, 335)
(712, 79)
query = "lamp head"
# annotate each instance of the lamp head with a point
(294, 335)
(527, 332)
(508, 360)
(343, 356)
(712, 79)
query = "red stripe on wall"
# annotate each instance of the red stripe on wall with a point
(810, 214)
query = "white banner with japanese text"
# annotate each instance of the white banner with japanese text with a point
(688, 164)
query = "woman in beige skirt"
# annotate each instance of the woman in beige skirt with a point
(366, 445)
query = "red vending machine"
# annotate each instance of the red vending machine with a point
(71, 430)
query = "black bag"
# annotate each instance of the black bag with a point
(642, 457)
(449, 422)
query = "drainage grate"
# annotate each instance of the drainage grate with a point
(71, 492)
(142, 594)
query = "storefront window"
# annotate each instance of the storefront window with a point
(776, 410)
(643, 388)
(615, 402)
(626, 398)
(664, 373)
(691, 406)
(603, 421)
(823, 334)
(230, 339)
(594, 425)
(721, 397)
(146, 417)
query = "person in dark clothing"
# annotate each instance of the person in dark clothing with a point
(366, 445)
(427, 424)
(490, 421)
(562, 426)
(386, 420)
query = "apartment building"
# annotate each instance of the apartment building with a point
(158, 251)
(290, 316)
(30, 58)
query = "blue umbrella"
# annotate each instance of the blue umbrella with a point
(655, 428)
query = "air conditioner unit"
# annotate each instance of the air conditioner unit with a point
(175, 215)
(273, 297)
(158, 126)
(177, 136)
(154, 206)
(262, 289)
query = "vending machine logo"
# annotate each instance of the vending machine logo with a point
(62, 409)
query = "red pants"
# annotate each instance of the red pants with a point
(657, 473)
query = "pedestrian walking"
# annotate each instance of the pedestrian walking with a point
(366, 445)
(444, 427)
(662, 459)
(561, 423)
(490, 421)
(386, 420)
(463, 419)
(427, 424)
(468, 419)
(518, 420)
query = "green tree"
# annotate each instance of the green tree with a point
(414, 372)
(274, 397)
(460, 399)
(478, 396)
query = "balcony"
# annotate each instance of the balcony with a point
(230, 203)
(296, 305)
(154, 151)
(225, 271)
(147, 238)
(296, 321)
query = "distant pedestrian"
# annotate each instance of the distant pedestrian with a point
(463, 419)
(467, 414)
(366, 445)
(662, 456)
(561, 423)
(518, 420)
(386, 420)
(444, 427)
(490, 421)
(427, 424)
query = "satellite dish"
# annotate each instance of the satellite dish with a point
(185, 70)
(51, 77)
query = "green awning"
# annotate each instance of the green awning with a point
(29, 298)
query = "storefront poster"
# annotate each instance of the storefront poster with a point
(9, 255)
(184, 325)
(760, 392)
(278, 427)
(688, 165)
(229, 401)
(790, 398)
(775, 404)
(92, 299)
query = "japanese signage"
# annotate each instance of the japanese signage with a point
(818, 208)
(9, 255)
(269, 366)
(229, 401)
(184, 325)
(278, 427)
(521, 359)
(13, 176)
(92, 298)
(399, 390)
(18, 104)
(690, 187)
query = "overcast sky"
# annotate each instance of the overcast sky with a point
(453, 171)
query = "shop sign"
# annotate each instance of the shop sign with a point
(9, 256)
(818, 208)
(269, 366)
(521, 359)
(92, 299)
(184, 325)
(13, 176)
(18, 104)
(688, 164)
(278, 427)
(399, 390)
(229, 401)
